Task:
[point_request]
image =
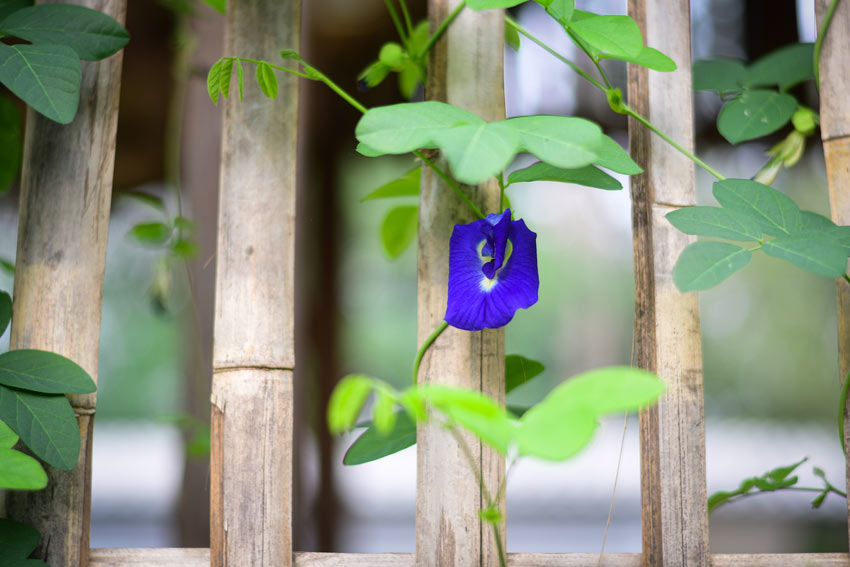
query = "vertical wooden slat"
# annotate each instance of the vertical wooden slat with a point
(674, 517)
(466, 70)
(66, 189)
(835, 132)
(253, 354)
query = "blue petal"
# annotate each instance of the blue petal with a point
(477, 301)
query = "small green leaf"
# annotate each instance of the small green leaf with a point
(185, 224)
(266, 79)
(392, 55)
(562, 141)
(405, 186)
(755, 113)
(18, 541)
(46, 77)
(20, 472)
(45, 372)
(703, 265)
(779, 474)
(91, 34)
(185, 248)
(46, 424)
(11, 142)
(346, 401)
(372, 445)
(410, 77)
(491, 515)
(373, 75)
(719, 75)
(649, 58)
(818, 501)
(814, 251)
(784, 67)
(154, 233)
(7, 267)
(224, 76)
(718, 498)
(398, 230)
(714, 221)
(819, 472)
(615, 35)
(214, 80)
(775, 212)
(8, 438)
(589, 176)
(384, 415)
(5, 311)
(240, 78)
(519, 370)
(611, 156)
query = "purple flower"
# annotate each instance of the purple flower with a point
(492, 272)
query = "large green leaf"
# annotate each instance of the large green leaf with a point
(8, 438)
(554, 435)
(347, 400)
(561, 10)
(649, 58)
(92, 34)
(405, 186)
(703, 265)
(372, 445)
(20, 472)
(589, 176)
(45, 372)
(9, 6)
(755, 113)
(784, 67)
(17, 542)
(10, 141)
(398, 230)
(520, 370)
(810, 221)
(477, 152)
(719, 75)
(611, 156)
(814, 251)
(714, 221)
(5, 311)
(46, 424)
(775, 212)
(561, 141)
(615, 35)
(46, 77)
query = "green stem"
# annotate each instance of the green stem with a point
(502, 188)
(424, 348)
(511, 22)
(442, 28)
(827, 19)
(396, 21)
(590, 56)
(847, 278)
(406, 15)
(842, 405)
(673, 143)
(273, 66)
(450, 182)
(828, 488)
(497, 536)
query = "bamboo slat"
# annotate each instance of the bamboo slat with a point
(835, 132)
(253, 358)
(66, 190)
(466, 69)
(200, 558)
(675, 518)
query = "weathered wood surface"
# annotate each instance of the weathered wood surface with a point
(253, 354)
(675, 518)
(66, 190)
(835, 132)
(200, 558)
(466, 70)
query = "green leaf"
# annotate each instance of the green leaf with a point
(473, 411)
(46, 77)
(814, 221)
(20, 472)
(755, 113)
(561, 141)
(405, 186)
(775, 212)
(9, 6)
(784, 67)
(511, 37)
(478, 152)
(818, 501)
(649, 58)
(5, 311)
(409, 78)
(266, 79)
(553, 435)
(714, 221)
(219, 6)
(611, 156)
(7, 267)
(8, 438)
(214, 80)
(366, 151)
(185, 248)
(615, 35)
(11, 142)
(91, 34)
(17, 541)
(240, 78)
(46, 424)
(719, 75)
(718, 498)
(151, 232)
(560, 10)
(372, 445)
(519, 370)
(705, 264)
(373, 75)
(492, 4)
(779, 474)
(347, 400)
(398, 230)
(588, 176)
(384, 417)
(45, 372)
(392, 55)
(814, 251)
(819, 472)
(224, 76)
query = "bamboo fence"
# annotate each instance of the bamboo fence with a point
(252, 454)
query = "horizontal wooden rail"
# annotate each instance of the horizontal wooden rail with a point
(175, 557)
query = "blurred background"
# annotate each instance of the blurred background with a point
(771, 374)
